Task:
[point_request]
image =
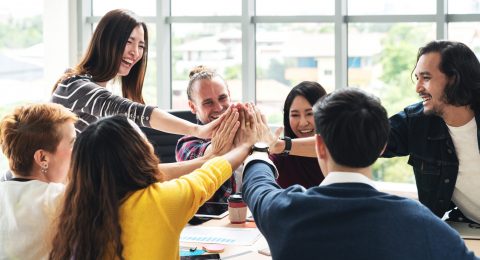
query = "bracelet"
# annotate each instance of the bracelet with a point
(288, 145)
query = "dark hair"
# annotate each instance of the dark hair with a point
(110, 159)
(310, 90)
(353, 125)
(201, 72)
(104, 53)
(461, 66)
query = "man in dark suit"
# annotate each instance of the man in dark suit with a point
(345, 217)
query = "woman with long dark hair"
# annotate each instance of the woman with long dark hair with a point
(118, 50)
(298, 123)
(117, 204)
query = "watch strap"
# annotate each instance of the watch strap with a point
(288, 145)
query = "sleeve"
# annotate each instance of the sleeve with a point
(84, 96)
(397, 144)
(441, 235)
(189, 192)
(189, 147)
(263, 195)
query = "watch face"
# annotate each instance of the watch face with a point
(261, 147)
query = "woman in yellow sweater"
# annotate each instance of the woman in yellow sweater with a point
(117, 205)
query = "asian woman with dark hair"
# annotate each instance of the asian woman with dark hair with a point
(298, 123)
(118, 49)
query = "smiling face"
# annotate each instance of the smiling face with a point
(133, 51)
(431, 83)
(210, 99)
(301, 117)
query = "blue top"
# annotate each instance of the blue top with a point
(345, 221)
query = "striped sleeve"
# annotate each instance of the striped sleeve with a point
(91, 102)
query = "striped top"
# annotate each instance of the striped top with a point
(91, 101)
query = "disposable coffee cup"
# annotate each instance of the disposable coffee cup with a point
(237, 209)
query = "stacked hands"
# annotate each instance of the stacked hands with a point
(242, 125)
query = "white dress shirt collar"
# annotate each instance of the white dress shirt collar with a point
(346, 177)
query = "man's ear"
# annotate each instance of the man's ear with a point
(320, 147)
(192, 106)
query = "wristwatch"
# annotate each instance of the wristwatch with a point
(260, 147)
(288, 145)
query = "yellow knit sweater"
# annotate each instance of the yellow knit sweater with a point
(153, 218)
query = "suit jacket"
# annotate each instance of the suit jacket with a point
(345, 221)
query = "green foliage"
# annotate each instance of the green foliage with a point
(398, 60)
(393, 170)
(233, 72)
(17, 34)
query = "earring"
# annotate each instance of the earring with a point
(44, 169)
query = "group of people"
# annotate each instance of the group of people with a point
(87, 184)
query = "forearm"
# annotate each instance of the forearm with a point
(300, 147)
(164, 121)
(260, 192)
(236, 156)
(178, 169)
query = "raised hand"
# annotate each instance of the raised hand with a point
(263, 133)
(223, 136)
(246, 133)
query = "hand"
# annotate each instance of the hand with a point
(206, 131)
(222, 140)
(278, 146)
(246, 133)
(262, 129)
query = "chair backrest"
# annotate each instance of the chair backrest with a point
(164, 143)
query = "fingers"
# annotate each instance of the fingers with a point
(229, 122)
(242, 119)
(278, 132)
(232, 134)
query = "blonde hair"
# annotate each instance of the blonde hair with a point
(29, 128)
(199, 73)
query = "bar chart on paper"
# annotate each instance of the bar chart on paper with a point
(220, 235)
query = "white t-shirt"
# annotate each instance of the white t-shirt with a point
(27, 210)
(466, 194)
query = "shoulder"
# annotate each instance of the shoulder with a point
(192, 139)
(190, 147)
(76, 79)
(413, 110)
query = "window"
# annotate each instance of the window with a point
(468, 33)
(217, 46)
(262, 47)
(299, 7)
(288, 54)
(206, 7)
(391, 7)
(464, 7)
(22, 57)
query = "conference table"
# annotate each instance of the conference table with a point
(250, 252)
(236, 252)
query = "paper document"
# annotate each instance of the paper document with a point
(466, 230)
(220, 235)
